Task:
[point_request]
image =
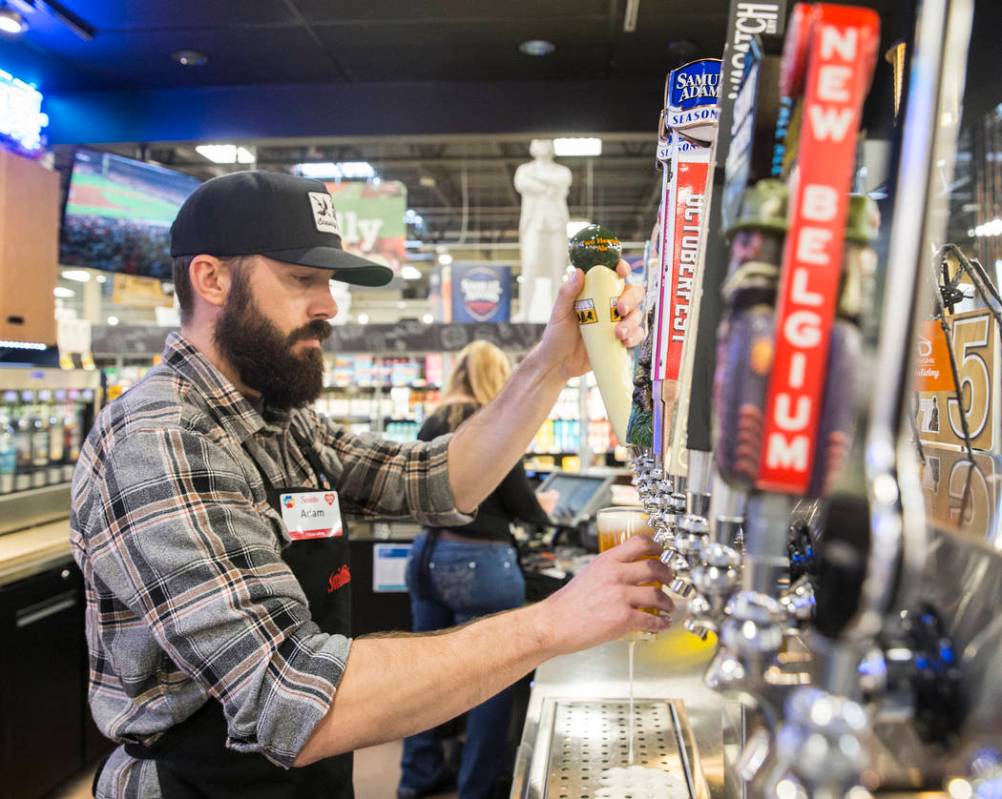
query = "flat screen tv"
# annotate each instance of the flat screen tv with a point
(118, 213)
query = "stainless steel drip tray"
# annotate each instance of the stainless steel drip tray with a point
(583, 745)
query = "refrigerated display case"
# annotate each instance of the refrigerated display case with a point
(44, 416)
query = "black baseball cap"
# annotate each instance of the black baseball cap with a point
(281, 216)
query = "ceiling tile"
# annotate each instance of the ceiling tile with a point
(236, 56)
(395, 11)
(386, 52)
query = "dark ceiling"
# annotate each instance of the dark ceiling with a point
(434, 93)
(323, 41)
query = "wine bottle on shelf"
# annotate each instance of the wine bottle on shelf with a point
(57, 443)
(8, 454)
(22, 446)
(39, 446)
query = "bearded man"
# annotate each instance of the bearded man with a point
(208, 517)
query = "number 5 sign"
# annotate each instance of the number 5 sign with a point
(942, 410)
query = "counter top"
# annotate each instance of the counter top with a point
(34, 550)
(382, 530)
(669, 667)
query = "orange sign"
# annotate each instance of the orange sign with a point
(947, 416)
(932, 364)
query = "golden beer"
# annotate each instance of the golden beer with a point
(617, 524)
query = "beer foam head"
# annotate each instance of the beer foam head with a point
(629, 520)
(640, 782)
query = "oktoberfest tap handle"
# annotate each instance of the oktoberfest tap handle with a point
(596, 251)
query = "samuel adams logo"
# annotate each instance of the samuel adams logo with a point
(692, 95)
(481, 292)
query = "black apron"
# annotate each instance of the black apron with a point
(192, 758)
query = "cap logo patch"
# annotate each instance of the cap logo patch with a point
(323, 212)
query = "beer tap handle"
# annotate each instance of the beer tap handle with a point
(715, 581)
(692, 532)
(823, 742)
(798, 603)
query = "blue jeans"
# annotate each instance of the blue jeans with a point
(463, 581)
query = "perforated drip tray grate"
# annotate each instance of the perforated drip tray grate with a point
(590, 750)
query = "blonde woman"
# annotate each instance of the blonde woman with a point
(457, 574)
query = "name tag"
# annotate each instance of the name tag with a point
(311, 514)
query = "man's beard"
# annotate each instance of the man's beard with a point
(263, 356)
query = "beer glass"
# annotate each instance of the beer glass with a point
(615, 525)
(618, 523)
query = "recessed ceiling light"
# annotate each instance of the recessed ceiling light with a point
(112, 320)
(410, 273)
(537, 47)
(11, 22)
(63, 293)
(225, 153)
(78, 275)
(341, 170)
(189, 58)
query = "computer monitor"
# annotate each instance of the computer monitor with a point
(580, 496)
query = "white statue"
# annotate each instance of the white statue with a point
(542, 230)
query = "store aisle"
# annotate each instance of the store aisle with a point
(377, 770)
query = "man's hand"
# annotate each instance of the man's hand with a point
(604, 601)
(562, 344)
(487, 445)
(394, 686)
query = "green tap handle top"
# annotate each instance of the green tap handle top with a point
(595, 245)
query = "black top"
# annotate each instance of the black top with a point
(512, 499)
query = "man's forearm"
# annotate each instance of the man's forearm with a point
(396, 686)
(430, 678)
(489, 444)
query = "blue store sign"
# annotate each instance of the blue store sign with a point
(21, 117)
(481, 293)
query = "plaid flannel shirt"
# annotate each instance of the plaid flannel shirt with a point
(188, 599)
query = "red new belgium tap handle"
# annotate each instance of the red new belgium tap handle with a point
(832, 52)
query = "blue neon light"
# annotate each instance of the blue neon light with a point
(21, 117)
